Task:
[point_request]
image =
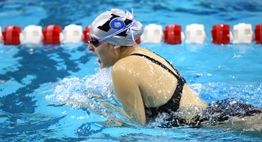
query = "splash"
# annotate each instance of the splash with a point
(79, 89)
(89, 93)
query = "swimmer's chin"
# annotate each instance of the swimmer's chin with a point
(102, 65)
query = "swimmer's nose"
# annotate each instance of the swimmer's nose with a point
(90, 47)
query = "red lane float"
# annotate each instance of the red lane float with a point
(138, 40)
(86, 34)
(11, 35)
(51, 34)
(258, 34)
(1, 39)
(172, 34)
(221, 34)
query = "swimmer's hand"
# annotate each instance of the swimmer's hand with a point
(186, 117)
(193, 121)
(191, 115)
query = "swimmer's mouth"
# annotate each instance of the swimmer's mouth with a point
(99, 61)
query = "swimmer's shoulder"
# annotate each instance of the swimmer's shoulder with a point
(128, 62)
(133, 61)
(125, 69)
(129, 65)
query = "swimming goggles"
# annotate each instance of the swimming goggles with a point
(96, 42)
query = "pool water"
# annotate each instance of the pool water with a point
(35, 82)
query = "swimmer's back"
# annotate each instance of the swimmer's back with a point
(155, 83)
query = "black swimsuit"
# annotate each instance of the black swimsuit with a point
(173, 103)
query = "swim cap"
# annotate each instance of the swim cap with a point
(108, 25)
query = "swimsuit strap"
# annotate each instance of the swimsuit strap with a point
(160, 64)
(173, 103)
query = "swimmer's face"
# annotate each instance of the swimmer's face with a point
(106, 54)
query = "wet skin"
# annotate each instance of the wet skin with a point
(138, 82)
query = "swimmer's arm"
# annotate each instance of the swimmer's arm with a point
(84, 105)
(127, 91)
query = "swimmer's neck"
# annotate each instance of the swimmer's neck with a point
(127, 51)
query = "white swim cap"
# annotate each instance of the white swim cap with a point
(116, 27)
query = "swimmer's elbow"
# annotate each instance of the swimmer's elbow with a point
(143, 123)
(140, 121)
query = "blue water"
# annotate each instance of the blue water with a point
(32, 78)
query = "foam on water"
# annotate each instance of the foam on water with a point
(89, 93)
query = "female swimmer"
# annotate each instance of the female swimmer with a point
(145, 83)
